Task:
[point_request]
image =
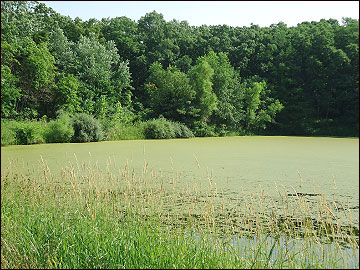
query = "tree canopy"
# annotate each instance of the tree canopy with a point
(300, 80)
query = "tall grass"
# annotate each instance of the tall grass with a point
(117, 217)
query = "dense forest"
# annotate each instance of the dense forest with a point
(216, 80)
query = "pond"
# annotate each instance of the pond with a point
(304, 165)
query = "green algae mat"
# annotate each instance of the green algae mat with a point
(304, 165)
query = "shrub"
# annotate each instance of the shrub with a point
(22, 132)
(59, 130)
(7, 132)
(86, 128)
(202, 129)
(159, 129)
(182, 131)
(162, 128)
(29, 132)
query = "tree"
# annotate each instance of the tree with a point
(224, 82)
(36, 74)
(67, 93)
(18, 20)
(200, 79)
(170, 93)
(63, 51)
(94, 61)
(10, 93)
(101, 71)
(259, 107)
(124, 32)
(152, 32)
(50, 61)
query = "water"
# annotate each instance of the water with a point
(235, 164)
(306, 253)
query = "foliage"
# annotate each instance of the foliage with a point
(121, 113)
(23, 132)
(200, 78)
(7, 132)
(63, 51)
(259, 107)
(159, 129)
(202, 129)
(10, 94)
(18, 20)
(170, 93)
(93, 60)
(162, 128)
(86, 128)
(118, 130)
(182, 131)
(59, 130)
(225, 85)
(124, 32)
(301, 80)
(36, 76)
(67, 93)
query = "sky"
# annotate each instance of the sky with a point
(196, 13)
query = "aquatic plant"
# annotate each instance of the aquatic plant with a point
(118, 217)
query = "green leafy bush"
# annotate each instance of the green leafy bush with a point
(29, 132)
(23, 134)
(86, 128)
(159, 129)
(7, 133)
(182, 131)
(162, 128)
(202, 129)
(59, 130)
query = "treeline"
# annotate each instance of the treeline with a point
(216, 80)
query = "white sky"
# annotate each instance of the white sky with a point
(233, 13)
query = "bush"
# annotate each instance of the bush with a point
(7, 132)
(162, 128)
(202, 129)
(182, 131)
(159, 129)
(29, 132)
(24, 132)
(86, 128)
(59, 130)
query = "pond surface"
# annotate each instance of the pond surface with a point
(235, 164)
